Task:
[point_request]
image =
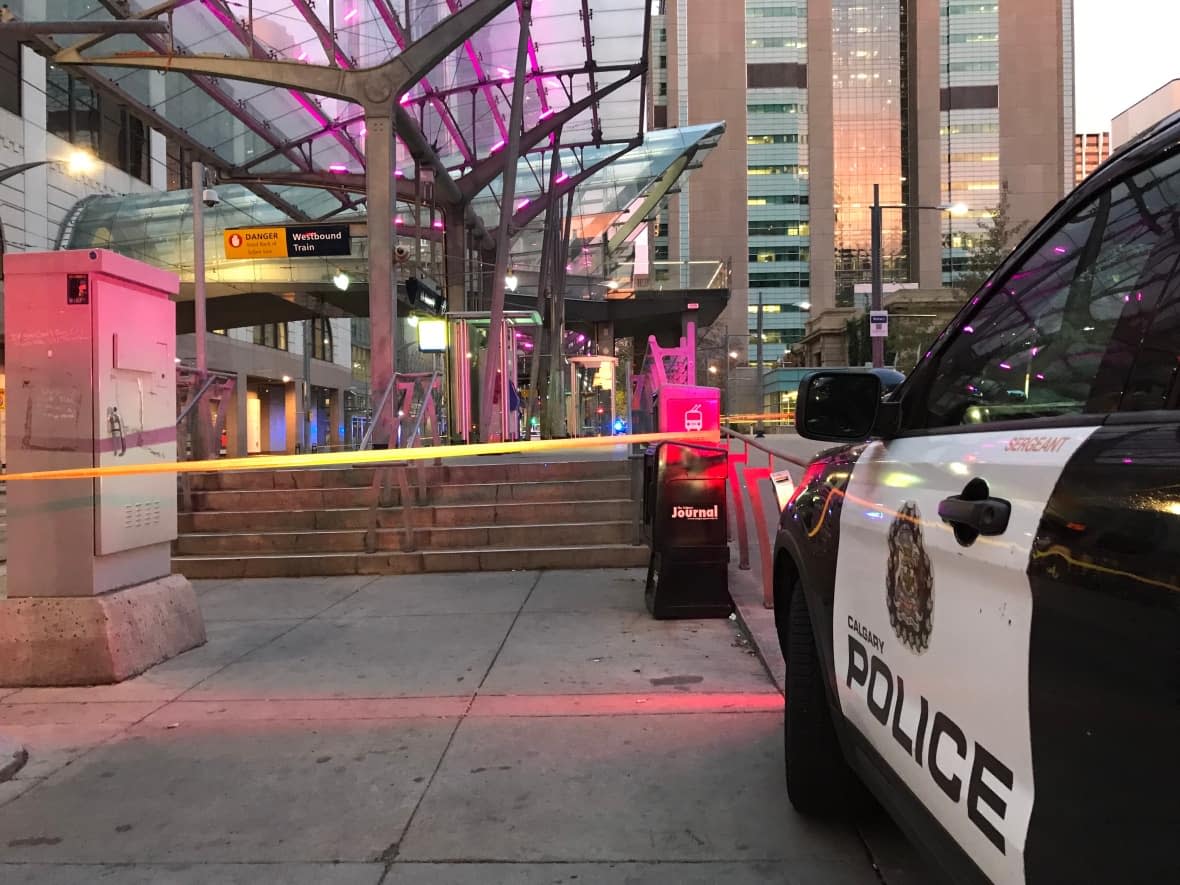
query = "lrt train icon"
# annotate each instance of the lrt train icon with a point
(694, 419)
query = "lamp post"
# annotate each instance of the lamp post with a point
(875, 244)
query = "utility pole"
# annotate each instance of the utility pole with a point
(759, 430)
(875, 302)
(202, 422)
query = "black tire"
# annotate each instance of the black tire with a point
(819, 781)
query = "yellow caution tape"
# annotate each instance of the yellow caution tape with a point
(374, 456)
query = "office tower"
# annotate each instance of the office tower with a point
(937, 102)
(1090, 149)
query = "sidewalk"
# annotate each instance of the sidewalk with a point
(520, 727)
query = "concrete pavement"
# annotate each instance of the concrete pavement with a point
(522, 727)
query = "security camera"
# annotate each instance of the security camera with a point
(401, 253)
(210, 197)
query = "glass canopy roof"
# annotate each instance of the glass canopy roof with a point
(461, 106)
(157, 227)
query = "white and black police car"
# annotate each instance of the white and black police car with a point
(978, 594)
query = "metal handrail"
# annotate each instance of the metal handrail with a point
(752, 476)
(426, 398)
(210, 380)
(753, 442)
(367, 439)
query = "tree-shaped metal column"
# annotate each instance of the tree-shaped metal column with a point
(376, 90)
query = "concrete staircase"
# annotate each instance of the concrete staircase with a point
(475, 517)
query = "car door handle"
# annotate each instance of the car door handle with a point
(987, 516)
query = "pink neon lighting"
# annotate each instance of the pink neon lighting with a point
(498, 145)
(399, 220)
(397, 173)
(405, 99)
(337, 167)
(523, 203)
(545, 113)
(561, 179)
(303, 56)
(350, 15)
(437, 225)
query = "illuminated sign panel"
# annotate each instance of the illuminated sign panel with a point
(432, 335)
(295, 241)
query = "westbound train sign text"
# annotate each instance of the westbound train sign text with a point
(294, 241)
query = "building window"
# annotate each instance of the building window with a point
(779, 229)
(77, 113)
(782, 279)
(10, 75)
(321, 339)
(778, 169)
(271, 335)
(779, 253)
(784, 138)
(776, 43)
(777, 200)
(360, 363)
(792, 108)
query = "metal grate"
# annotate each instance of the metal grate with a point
(141, 515)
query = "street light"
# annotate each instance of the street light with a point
(875, 218)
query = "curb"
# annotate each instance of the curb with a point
(757, 623)
(12, 759)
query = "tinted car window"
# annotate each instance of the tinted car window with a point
(1064, 333)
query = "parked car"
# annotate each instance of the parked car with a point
(978, 592)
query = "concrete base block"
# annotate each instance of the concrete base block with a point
(94, 640)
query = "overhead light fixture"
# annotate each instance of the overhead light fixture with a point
(81, 163)
(612, 284)
(511, 281)
(341, 280)
(733, 354)
(955, 208)
(805, 305)
(286, 379)
(412, 319)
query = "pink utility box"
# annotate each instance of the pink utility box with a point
(91, 382)
(684, 408)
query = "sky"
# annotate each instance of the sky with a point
(1124, 50)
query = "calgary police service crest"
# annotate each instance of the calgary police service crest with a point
(909, 581)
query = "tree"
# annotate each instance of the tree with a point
(994, 241)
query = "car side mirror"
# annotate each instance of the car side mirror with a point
(841, 407)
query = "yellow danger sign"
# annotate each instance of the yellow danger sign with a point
(256, 242)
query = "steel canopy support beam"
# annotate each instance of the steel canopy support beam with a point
(379, 154)
(495, 352)
(535, 207)
(364, 86)
(549, 241)
(23, 30)
(210, 88)
(656, 193)
(444, 112)
(156, 121)
(486, 170)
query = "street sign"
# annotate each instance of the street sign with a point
(294, 241)
(878, 324)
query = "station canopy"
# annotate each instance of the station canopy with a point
(157, 227)
(303, 153)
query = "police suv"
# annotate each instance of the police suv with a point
(978, 594)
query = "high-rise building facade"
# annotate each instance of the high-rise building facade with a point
(1090, 149)
(936, 102)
